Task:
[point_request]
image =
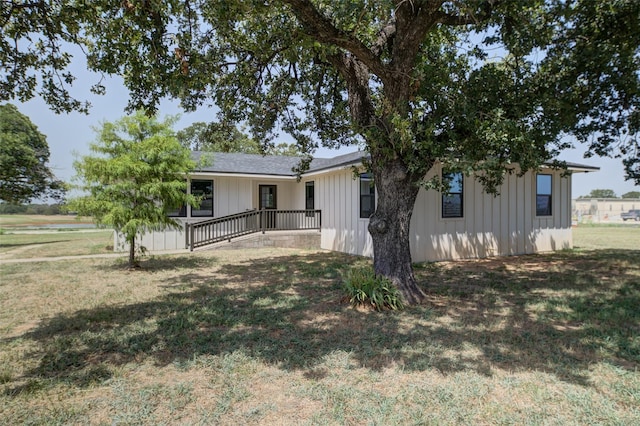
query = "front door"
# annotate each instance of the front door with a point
(268, 200)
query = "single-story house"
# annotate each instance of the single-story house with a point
(531, 214)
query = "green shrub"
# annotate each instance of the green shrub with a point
(364, 288)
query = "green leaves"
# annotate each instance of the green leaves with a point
(433, 80)
(24, 154)
(137, 171)
(364, 288)
(592, 66)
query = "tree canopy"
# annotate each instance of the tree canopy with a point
(137, 172)
(610, 193)
(477, 86)
(601, 193)
(24, 154)
(221, 137)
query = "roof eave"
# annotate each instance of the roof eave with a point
(332, 168)
(247, 175)
(575, 167)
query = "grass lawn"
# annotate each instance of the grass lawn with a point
(55, 243)
(21, 220)
(264, 337)
(599, 237)
(19, 242)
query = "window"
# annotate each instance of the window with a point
(178, 211)
(202, 189)
(309, 197)
(452, 200)
(543, 195)
(367, 196)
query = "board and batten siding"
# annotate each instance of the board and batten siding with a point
(337, 194)
(490, 226)
(231, 194)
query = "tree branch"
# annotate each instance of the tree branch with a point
(322, 29)
(384, 36)
(470, 18)
(356, 77)
(413, 20)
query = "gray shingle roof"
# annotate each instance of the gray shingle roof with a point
(256, 164)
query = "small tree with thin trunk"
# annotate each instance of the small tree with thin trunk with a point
(137, 172)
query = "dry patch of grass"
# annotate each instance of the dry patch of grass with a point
(262, 337)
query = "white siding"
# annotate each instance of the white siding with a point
(238, 194)
(502, 225)
(491, 226)
(231, 195)
(338, 196)
(169, 239)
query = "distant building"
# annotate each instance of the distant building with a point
(586, 210)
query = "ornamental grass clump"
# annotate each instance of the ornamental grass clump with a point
(364, 288)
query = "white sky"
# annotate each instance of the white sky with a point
(70, 134)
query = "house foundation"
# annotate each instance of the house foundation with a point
(278, 239)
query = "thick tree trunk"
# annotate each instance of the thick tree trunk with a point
(396, 186)
(389, 227)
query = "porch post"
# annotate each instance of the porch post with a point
(191, 237)
(186, 235)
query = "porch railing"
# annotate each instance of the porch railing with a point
(211, 231)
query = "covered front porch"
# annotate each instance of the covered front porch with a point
(235, 205)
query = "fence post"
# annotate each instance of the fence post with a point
(191, 237)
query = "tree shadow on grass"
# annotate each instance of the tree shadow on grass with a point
(158, 263)
(557, 314)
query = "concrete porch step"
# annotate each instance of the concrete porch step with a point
(307, 239)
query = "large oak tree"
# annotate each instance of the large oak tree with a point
(477, 85)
